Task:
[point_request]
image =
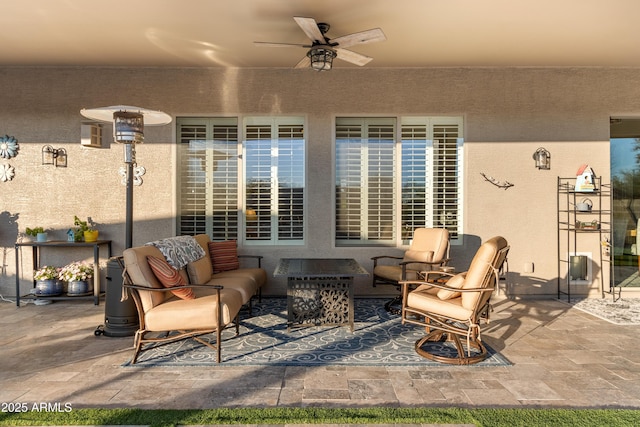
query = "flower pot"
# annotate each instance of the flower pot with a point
(81, 287)
(91, 236)
(50, 287)
(41, 237)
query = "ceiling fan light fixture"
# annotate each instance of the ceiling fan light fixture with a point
(321, 58)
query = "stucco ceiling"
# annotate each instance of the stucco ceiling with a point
(220, 33)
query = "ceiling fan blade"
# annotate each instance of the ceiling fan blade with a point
(310, 28)
(353, 57)
(368, 36)
(304, 63)
(270, 44)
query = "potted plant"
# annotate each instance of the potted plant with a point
(38, 233)
(84, 230)
(47, 283)
(78, 276)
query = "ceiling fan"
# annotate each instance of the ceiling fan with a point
(323, 50)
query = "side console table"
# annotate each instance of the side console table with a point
(36, 247)
(319, 291)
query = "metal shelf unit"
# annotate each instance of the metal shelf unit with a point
(574, 228)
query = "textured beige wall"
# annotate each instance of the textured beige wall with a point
(508, 114)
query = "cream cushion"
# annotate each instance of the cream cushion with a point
(456, 282)
(199, 313)
(393, 272)
(426, 301)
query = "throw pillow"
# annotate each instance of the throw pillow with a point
(455, 282)
(169, 277)
(224, 256)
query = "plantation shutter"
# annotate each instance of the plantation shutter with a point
(431, 175)
(416, 182)
(447, 177)
(208, 201)
(365, 180)
(275, 180)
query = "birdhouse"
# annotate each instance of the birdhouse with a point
(70, 235)
(585, 179)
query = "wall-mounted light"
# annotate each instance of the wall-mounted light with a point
(321, 58)
(52, 156)
(542, 158)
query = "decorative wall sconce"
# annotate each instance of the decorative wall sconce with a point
(52, 156)
(542, 158)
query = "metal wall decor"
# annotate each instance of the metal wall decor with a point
(499, 184)
(7, 172)
(8, 147)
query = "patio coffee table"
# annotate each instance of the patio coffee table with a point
(319, 290)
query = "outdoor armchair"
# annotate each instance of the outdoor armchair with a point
(428, 251)
(451, 307)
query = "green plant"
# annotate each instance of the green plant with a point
(46, 272)
(76, 272)
(34, 231)
(81, 227)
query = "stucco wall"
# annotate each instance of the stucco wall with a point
(508, 114)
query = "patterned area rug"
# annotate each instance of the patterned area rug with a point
(379, 339)
(625, 311)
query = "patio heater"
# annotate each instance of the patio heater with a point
(121, 317)
(128, 129)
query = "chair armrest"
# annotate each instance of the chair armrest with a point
(441, 262)
(376, 258)
(173, 288)
(256, 257)
(407, 283)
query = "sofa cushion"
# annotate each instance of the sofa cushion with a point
(169, 277)
(224, 255)
(200, 313)
(244, 285)
(200, 271)
(258, 275)
(140, 273)
(456, 282)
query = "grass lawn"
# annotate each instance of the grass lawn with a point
(273, 416)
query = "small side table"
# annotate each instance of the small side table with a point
(38, 246)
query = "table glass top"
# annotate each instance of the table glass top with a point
(318, 267)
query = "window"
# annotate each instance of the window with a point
(266, 183)
(388, 183)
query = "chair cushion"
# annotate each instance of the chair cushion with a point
(456, 282)
(169, 277)
(420, 256)
(394, 273)
(427, 302)
(480, 271)
(224, 255)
